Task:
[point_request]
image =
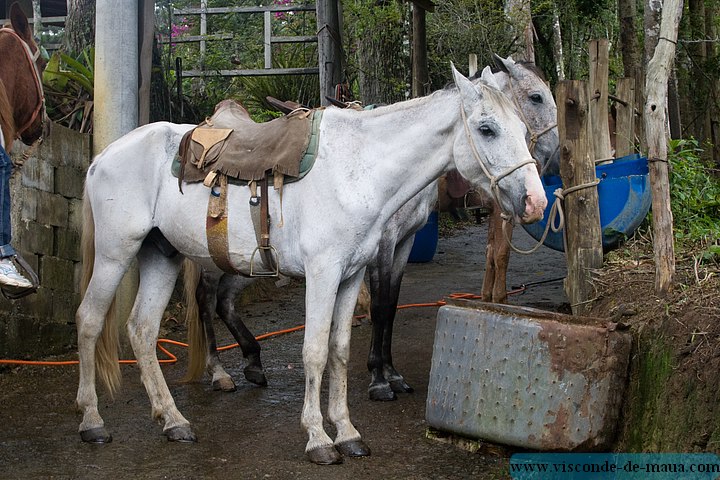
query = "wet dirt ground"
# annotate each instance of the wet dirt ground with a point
(255, 433)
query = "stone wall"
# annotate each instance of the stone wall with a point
(46, 204)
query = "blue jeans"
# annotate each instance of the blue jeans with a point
(6, 167)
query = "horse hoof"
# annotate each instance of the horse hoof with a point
(325, 456)
(353, 448)
(225, 384)
(381, 393)
(255, 375)
(399, 386)
(96, 435)
(182, 434)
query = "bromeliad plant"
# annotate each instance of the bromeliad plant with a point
(69, 93)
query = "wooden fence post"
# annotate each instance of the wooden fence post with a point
(625, 119)
(583, 248)
(598, 87)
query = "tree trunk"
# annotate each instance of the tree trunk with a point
(329, 51)
(79, 26)
(557, 45)
(712, 12)
(627, 11)
(520, 15)
(380, 54)
(658, 73)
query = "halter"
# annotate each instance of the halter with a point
(534, 136)
(32, 59)
(494, 187)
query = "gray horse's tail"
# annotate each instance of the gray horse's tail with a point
(197, 341)
(106, 350)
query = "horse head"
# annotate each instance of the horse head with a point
(490, 150)
(21, 51)
(536, 107)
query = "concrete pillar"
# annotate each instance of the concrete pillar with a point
(116, 95)
(116, 71)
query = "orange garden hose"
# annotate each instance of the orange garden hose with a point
(172, 358)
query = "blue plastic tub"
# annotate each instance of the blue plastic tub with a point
(426, 240)
(624, 196)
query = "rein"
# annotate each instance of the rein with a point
(32, 59)
(494, 180)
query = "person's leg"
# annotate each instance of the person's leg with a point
(8, 273)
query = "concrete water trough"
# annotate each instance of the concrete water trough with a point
(527, 378)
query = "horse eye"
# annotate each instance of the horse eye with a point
(536, 98)
(486, 131)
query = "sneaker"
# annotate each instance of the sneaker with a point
(10, 276)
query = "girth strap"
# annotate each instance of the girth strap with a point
(260, 215)
(216, 228)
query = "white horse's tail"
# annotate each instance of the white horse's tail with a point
(106, 350)
(197, 341)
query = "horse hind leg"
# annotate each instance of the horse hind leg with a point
(157, 281)
(229, 288)
(348, 440)
(386, 276)
(96, 304)
(204, 297)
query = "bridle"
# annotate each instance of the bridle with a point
(534, 136)
(494, 179)
(32, 59)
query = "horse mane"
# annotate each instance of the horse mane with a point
(7, 121)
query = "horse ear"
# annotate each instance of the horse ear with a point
(466, 87)
(500, 63)
(19, 22)
(488, 77)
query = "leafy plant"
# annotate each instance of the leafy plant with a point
(695, 196)
(69, 89)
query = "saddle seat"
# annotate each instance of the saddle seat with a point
(231, 143)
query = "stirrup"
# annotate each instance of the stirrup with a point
(13, 293)
(273, 256)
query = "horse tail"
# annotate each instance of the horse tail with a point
(197, 341)
(106, 350)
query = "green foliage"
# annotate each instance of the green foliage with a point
(459, 28)
(69, 88)
(695, 196)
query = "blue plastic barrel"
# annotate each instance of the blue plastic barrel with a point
(624, 197)
(426, 240)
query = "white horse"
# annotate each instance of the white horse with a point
(369, 164)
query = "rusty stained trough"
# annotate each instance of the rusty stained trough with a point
(526, 377)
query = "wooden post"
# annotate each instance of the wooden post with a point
(598, 86)
(420, 74)
(328, 23)
(472, 64)
(625, 121)
(583, 247)
(658, 72)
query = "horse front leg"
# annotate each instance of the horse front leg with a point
(229, 288)
(320, 293)
(496, 258)
(385, 280)
(347, 440)
(157, 281)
